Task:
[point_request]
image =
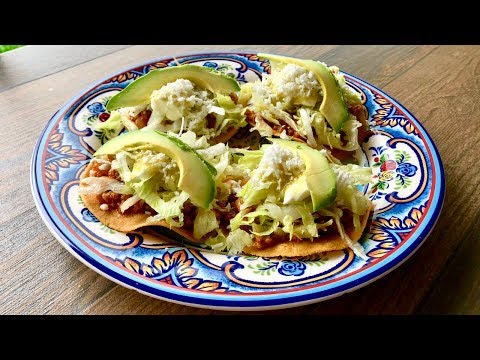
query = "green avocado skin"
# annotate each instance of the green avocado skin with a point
(320, 179)
(138, 92)
(196, 174)
(333, 106)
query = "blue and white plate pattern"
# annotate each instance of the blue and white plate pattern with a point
(407, 189)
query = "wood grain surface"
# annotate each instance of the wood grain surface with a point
(440, 85)
(18, 67)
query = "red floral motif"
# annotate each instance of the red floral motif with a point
(104, 117)
(388, 165)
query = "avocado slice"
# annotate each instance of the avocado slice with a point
(318, 180)
(296, 190)
(196, 174)
(138, 92)
(333, 106)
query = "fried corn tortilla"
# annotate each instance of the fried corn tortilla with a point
(122, 222)
(131, 222)
(307, 247)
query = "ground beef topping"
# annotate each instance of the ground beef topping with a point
(141, 119)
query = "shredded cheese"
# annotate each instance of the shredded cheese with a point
(278, 164)
(179, 106)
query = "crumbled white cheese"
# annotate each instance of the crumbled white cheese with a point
(104, 207)
(181, 106)
(280, 165)
(175, 98)
(296, 85)
(292, 85)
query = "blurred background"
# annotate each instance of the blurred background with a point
(5, 48)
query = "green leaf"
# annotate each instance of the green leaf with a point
(105, 100)
(88, 119)
(398, 155)
(318, 263)
(382, 185)
(383, 158)
(107, 229)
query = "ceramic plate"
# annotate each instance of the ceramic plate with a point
(408, 191)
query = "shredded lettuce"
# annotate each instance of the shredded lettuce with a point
(217, 243)
(233, 243)
(166, 210)
(348, 196)
(306, 120)
(245, 93)
(98, 185)
(336, 214)
(262, 127)
(154, 178)
(277, 167)
(292, 94)
(191, 139)
(204, 222)
(250, 158)
(359, 175)
(294, 220)
(234, 115)
(226, 102)
(327, 136)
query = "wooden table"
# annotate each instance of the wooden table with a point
(439, 84)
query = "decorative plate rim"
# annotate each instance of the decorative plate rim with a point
(267, 300)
